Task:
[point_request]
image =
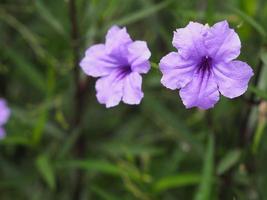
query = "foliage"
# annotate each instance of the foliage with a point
(62, 144)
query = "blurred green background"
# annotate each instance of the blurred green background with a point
(61, 144)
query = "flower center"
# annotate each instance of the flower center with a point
(124, 70)
(205, 64)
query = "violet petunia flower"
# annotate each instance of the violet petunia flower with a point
(118, 63)
(204, 65)
(4, 116)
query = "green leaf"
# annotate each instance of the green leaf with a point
(174, 181)
(49, 18)
(205, 187)
(263, 56)
(136, 16)
(103, 194)
(30, 37)
(260, 93)
(43, 116)
(258, 135)
(16, 140)
(228, 161)
(46, 170)
(92, 165)
(258, 27)
(161, 114)
(26, 70)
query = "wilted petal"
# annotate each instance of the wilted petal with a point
(201, 92)
(4, 112)
(2, 133)
(189, 41)
(177, 72)
(138, 56)
(232, 78)
(223, 43)
(116, 40)
(110, 89)
(132, 91)
(97, 63)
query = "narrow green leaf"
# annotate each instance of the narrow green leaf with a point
(103, 194)
(263, 56)
(180, 180)
(26, 70)
(46, 170)
(228, 161)
(92, 165)
(16, 140)
(258, 135)
(258, 27)
(260, 93)
(43, 116)
(206, 184)
(49, 18)
(136, 16)
(153, 107)
(30, 37)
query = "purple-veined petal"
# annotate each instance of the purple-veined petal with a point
(97, 63)
(2, 133)
(190, 41)
(232, 78)
(177, 72)
(110, 89)
(4, 112)
(222, 42)
(138, 56)
(132, 91)
(116, 40)
(201, 92)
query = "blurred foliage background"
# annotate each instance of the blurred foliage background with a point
(62, 144)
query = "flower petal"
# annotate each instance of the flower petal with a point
(201, 92)
(116, 40)
(138, 56)
(132, 91)
(97, 63)
(190, 41)
(110, 89)
(222, 42)
(2, 133)
(4, 112)
(232, 78)
(177, 72)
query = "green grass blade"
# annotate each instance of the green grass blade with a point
(206, 184)
(174, 181)
(260, 93)
(229, 160)
(26, 70)
(251, 21)
(136, 16)
(49, 18)
(46, 170)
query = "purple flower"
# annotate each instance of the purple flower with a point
(119, 63)
(204, 65)
(4, 116)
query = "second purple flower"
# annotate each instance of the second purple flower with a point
(204, 65)
(4, 116)
(118, 63)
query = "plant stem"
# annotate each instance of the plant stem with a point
(80, 91)
(244, 129)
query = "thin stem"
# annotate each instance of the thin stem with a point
(80, 91)
(75, 49)
(244, 129)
